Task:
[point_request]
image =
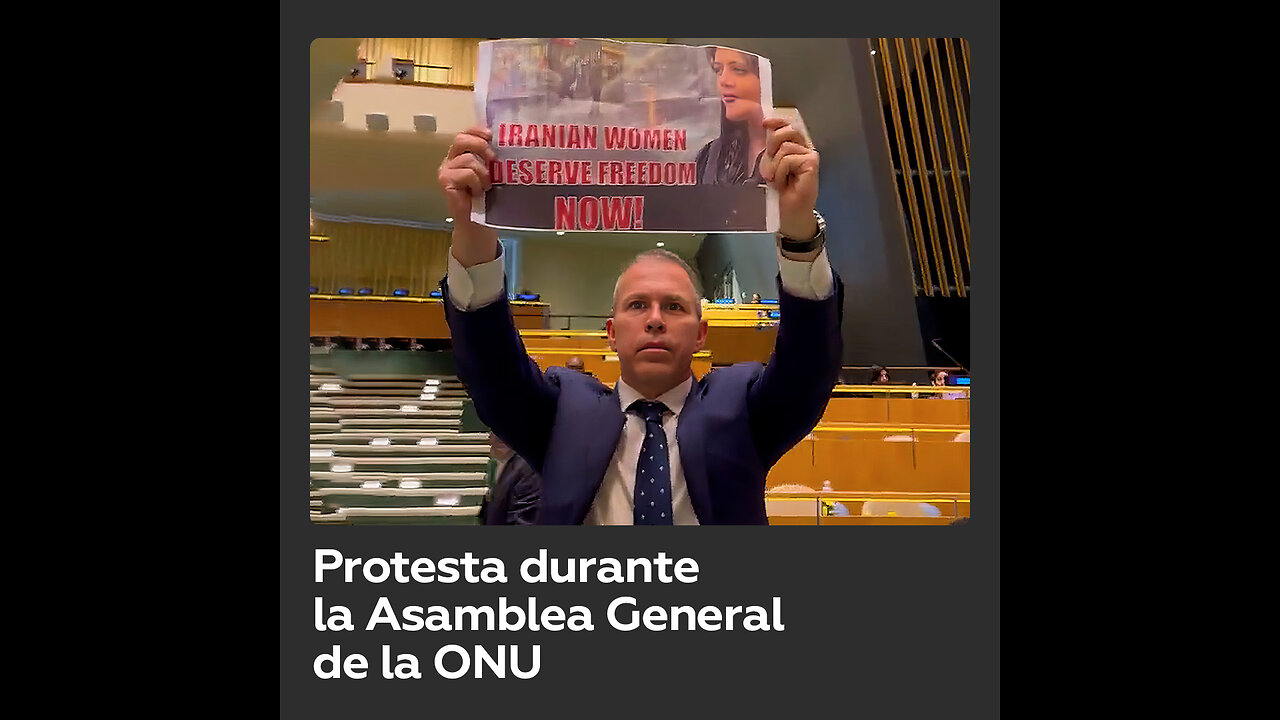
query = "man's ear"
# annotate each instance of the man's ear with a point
(702, 335)
(608, 331)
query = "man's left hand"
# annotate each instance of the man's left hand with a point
(790, 166)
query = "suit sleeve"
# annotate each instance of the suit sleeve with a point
(511, 394)
(788, 398)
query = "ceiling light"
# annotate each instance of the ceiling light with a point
(380, 441)
(342, 467)
(448, 219)
(433, 381)
(448, 499)
(371, 484)
(410, 484)
(427, 441)
(408, 408)
(873, 52)
(661, 244)
(321, 453)
(559, 232)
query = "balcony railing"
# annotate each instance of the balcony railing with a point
(405, 73)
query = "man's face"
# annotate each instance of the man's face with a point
(655, 327)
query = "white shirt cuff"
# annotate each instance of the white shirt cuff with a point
(809, 280)
(477, 286)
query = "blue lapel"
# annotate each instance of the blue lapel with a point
(690, 435)
(601, 424)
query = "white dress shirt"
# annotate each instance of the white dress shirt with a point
(615, 500)
(481, 284)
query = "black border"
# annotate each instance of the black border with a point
(967, 674)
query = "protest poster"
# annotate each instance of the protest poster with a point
(599, 135)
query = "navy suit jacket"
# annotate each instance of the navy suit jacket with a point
(736, 422)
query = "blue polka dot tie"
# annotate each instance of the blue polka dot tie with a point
(653, 472)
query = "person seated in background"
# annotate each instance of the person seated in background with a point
(513, 497)
(575, 363)
(755, 300)
(415, 345)
(938, 378)
(383, 345)
(878, 376)
(853, 376)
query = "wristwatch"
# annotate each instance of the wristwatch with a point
(804, 246)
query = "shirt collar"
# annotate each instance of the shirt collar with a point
(673, 398)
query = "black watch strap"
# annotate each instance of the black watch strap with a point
(799, 247)
(792, 245)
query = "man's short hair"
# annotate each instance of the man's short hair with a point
(660, 254)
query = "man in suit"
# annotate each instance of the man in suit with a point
(513, 499)
(660, 447)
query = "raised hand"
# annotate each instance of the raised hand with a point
(464, 175)
(790, 166)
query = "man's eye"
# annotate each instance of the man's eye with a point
(674, 306)
(636, 305)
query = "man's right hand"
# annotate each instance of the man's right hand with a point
(464, 175)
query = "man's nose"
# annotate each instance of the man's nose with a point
(654, 321)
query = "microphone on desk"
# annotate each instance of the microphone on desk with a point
(944, 352)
